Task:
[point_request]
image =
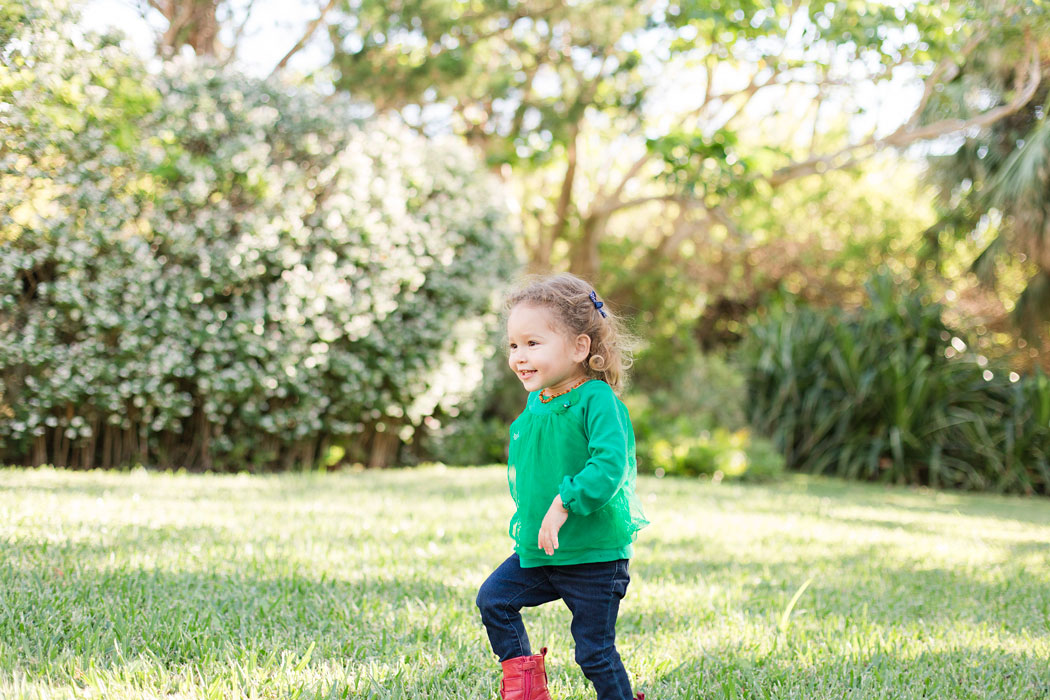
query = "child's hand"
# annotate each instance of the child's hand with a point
(552, 522)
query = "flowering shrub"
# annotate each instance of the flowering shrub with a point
(202, 269)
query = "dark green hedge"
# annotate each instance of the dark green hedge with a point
(890, 393)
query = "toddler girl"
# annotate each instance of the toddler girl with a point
(571, 470)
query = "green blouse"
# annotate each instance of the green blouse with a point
(580, 445)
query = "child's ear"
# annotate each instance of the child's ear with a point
(582, 348)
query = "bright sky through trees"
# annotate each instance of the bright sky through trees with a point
(272, 27)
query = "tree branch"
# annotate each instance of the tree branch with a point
(635, 168)
(526, 93)
(611, 203)
(945, 67)
(435, 49)
(565, 197)
(748, 92)
(710, 62)
(904, 135)
(177, 19)
(305, 37)
(680, 230)
(816, 123)
(239, 33)
(616, 206)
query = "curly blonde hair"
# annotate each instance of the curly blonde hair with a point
(568, 298)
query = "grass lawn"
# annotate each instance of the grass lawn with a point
(132, 585)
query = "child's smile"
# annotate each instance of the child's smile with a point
(542, 356)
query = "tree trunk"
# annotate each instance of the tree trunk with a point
(193, 23)
(39, 451)
(585, 261)
(384, 448)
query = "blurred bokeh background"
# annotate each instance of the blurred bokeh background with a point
(255, 236)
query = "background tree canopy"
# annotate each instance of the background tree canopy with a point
(646, 132)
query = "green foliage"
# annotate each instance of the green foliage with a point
(519, 75)
(815, 237)
(689, 418)
(201, 269)
(890, 393)
(472, 439)
(693, 391)
(710, 168)
(13, 17)
(720, 454)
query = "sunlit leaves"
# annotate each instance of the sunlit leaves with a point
(710, 167)
(491, 63)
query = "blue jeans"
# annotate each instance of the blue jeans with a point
(592, 593)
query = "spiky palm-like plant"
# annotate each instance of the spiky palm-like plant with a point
(995, 189)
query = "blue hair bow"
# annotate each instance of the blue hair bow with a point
(598, 304)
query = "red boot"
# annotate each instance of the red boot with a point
(524, 678)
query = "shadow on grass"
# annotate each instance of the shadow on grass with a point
(49, 616)
(446, 483)
(863, 584)
(921, 501)
(959, 674)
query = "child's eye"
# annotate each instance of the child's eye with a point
(532, 342)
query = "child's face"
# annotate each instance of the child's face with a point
(541, 354)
